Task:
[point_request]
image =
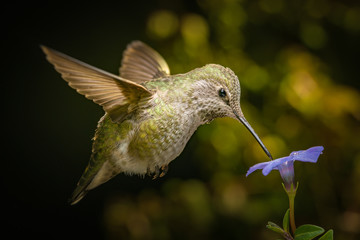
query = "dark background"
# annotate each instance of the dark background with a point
(297, 62)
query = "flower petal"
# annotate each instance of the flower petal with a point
(274, 165)
(310, 155)
(256, 167)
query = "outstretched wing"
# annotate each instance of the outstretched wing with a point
(141, 63)
(115, 94)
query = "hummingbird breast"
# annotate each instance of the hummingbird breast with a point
(164, 128)
(161, 126)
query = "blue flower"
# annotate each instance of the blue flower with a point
(285, 165)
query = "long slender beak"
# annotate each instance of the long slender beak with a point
(248, 126)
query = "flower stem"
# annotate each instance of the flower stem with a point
(292, 214)
(291, 194)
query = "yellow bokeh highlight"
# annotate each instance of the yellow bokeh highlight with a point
(194, 29)
(309, 90)
(231, 195)
(162, 24)
(232, 16)
(255, 78)
(302, 91)
(196, 197)
(274, 143)
(224, 140)
(313, 35)
(341, 100)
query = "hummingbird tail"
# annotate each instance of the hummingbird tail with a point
(76, 197)
(83, 186)
(80, 191)
(91, 178)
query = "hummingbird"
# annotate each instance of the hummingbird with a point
(150, 115)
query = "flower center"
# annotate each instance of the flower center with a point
(287, 173)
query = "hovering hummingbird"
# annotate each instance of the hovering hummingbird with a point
(149, 114)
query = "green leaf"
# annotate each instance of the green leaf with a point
(274, 227)
(328, 235)
(308, 232)
(286, 221)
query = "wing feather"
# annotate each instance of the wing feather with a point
(108, 90)
(141, 63)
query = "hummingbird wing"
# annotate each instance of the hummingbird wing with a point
(141, 63)
(115, 94)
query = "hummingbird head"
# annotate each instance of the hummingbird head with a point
(221, 92)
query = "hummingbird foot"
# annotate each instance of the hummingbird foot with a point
(164, 169)
(157, 173)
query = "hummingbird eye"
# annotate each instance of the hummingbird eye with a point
(222, 93)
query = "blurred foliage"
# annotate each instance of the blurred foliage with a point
(294, 95)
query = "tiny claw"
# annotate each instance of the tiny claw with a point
(156, 173)
(164, 169)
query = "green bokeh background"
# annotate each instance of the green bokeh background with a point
(298, 65)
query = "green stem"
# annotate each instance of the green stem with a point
(291, 194)
(292, 211)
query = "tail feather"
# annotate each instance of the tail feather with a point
(92, 179)
(76, 197)
(80, 190)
